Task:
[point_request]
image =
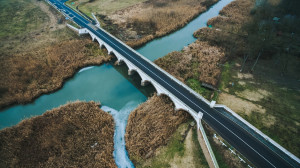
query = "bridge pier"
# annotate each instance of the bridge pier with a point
(131, 72)
(144, 83)
(160, 89)
(179, 105)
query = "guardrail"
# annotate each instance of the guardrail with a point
(208, 103)
(201, 97)
(258, 132)
(210, 151)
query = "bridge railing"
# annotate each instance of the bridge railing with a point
(201, 97)
(270, 140)
(208, 102)
(159, 68)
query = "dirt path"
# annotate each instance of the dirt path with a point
(52, 24)
(204, 149)
(187, 160)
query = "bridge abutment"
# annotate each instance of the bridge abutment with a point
(179, 105)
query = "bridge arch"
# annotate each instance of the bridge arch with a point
(177, 106)
(145, 80)
(98, 41)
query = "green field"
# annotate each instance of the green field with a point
(105, 7)
(177, 151)
(19, 17)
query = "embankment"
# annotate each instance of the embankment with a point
(74, 135)
(259, 75)
(150, 126)
(146, 20)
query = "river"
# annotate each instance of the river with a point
(118, 93)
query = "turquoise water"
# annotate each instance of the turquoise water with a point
(183, 37)
(117, 92)
(98, 83)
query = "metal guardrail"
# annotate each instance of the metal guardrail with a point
(202, 98)
(258, 132)
(211, 153)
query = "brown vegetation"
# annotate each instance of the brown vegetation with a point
(140, 23)
(26, 75)
(150, 126)
(199, 61)
(255, 42)
(38, 59)
(223, 155)
(75, 135)
(226, 31)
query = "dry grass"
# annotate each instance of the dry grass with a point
(253, 95)
(244, 29)
(150, 126)
(145, 21)
(198, 61)
(189, 159)
(24, 76)
(75, 135)
(223, 155)
(105, 7)
(38, 59)
(182, 150)
(240, 106)
(37, 25)
(227, 31)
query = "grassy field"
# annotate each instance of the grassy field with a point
(196, 64)
(38, 58)
(103, 7)
(259, 80)
(150, 126)
(139, 21)
(271, 107)
(158, 136)
(182, 150)
(223, 155)
(74, 135)
(20, 17)
(24, 76)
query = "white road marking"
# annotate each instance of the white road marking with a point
(177, 91)
(186, 98)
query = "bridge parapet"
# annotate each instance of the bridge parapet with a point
(97, 22)
(211, 104)
(179, 105)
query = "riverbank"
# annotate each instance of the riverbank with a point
(260, 89)
(38, 59)
(77, 134)
(159, 136)
(195, 65)
(138, 22)
(229, 38)
(259, 80)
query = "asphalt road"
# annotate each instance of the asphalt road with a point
(249, 146)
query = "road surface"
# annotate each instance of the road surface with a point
(249, 146)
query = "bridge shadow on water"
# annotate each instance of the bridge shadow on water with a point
(135, 79)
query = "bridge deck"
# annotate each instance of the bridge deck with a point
(248, 145)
